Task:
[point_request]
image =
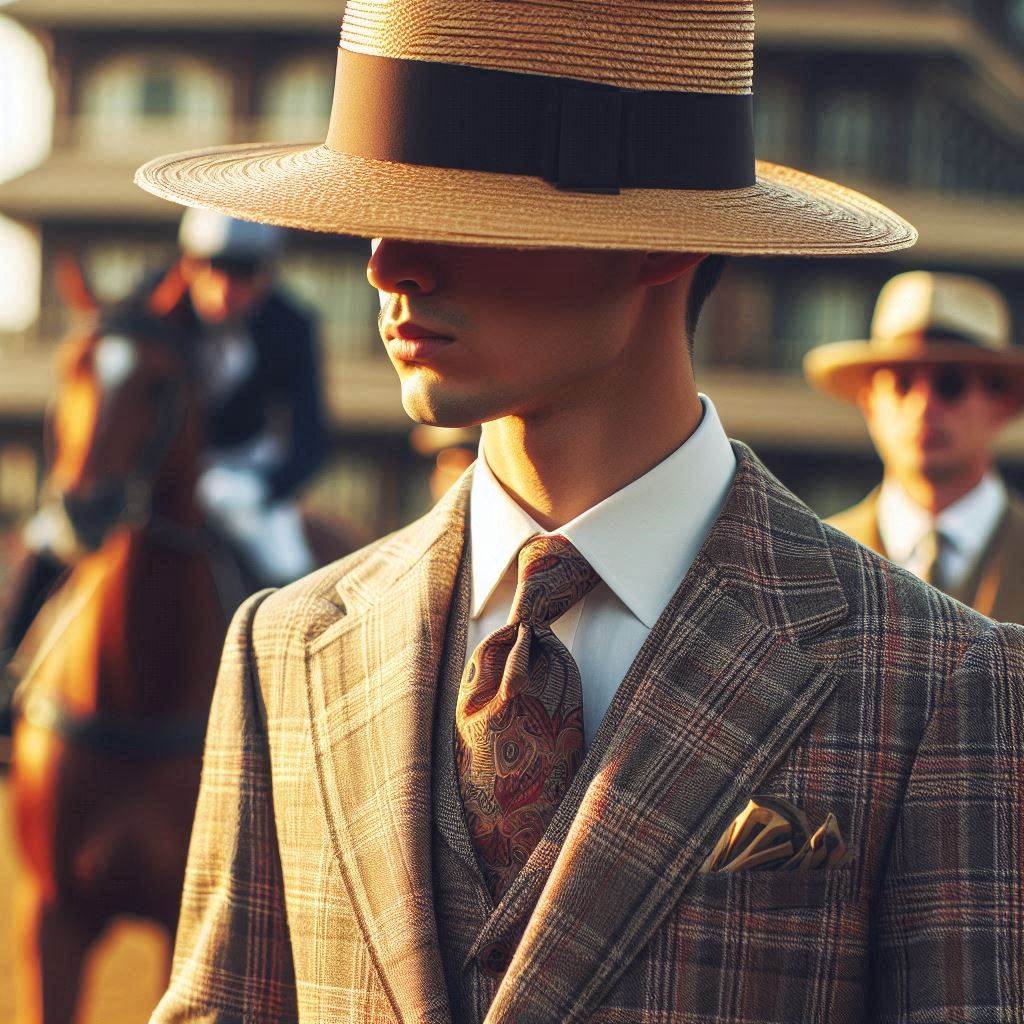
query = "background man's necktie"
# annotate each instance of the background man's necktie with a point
(519, 717)
(932, 549)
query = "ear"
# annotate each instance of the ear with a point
(863, 397)
(662, 267)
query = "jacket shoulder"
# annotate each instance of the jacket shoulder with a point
(885, 598)
(305, 608)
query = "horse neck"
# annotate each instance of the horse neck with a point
(173, 496)
(160, 624)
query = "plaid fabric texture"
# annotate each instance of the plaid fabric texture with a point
(792, 661)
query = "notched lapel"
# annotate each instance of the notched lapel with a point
(728, 690)
(372, 680)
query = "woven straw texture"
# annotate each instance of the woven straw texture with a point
(682, 45)
(686, 45)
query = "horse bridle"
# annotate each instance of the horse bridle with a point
(128, 500)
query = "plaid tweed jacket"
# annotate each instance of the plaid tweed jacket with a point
(793, 662)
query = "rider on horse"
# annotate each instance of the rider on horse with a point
(254, 355)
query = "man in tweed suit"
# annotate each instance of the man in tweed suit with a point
(620, 731)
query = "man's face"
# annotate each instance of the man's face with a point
(935, 421)
(476, 334)
(224, 291)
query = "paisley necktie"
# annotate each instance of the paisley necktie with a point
(519, 717)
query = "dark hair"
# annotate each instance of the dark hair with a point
(704, 280)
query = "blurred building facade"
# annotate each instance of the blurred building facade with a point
(917, 102)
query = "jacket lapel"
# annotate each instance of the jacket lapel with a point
(372, 679)
(731, 681)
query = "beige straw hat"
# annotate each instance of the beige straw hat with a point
(599, 124)
(921, 317)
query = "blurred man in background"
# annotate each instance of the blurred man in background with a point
(936, 383)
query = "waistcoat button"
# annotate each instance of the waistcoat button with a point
(495, 958)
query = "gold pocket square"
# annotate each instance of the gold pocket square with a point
(771, 834)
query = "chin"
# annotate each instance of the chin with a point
(441, 405)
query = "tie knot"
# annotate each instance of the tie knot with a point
(553, 576)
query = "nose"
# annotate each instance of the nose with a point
(402, 268)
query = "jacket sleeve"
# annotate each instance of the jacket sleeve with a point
(232, 958)
(949, 924)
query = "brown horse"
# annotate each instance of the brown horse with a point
(120, 665)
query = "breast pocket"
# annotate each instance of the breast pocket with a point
(759, 946)
(727, 891)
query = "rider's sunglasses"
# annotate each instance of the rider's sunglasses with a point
(242, 269)
(950, 383)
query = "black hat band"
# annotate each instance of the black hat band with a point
(576, 135)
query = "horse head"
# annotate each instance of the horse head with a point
(122, 431)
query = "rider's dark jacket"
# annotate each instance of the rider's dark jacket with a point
(284, 377)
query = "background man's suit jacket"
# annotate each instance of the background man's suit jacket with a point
(994, 587)
(794, 662)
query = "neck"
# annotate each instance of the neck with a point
(936, 495)
(578, 449)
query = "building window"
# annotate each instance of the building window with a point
(735, 326)
(334, 284)
(1015, 16)
(815, 308)
(115, 268)
(851, 132)
(953, 149)
(142, 99)
(158, 93)
(778, 119)
(296, 102)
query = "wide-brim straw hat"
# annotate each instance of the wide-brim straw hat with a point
(924, 318)
(597, 124)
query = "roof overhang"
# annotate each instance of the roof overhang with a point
(206, 14)
(72, 185)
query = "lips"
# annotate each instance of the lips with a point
(409, 342)
(410, 331)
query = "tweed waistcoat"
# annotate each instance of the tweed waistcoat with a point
(461, 900)
(477, 938)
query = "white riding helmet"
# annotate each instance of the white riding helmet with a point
(207, 234)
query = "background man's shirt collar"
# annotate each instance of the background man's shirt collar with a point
(967, 524)
(641, 540)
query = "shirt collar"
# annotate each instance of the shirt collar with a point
(966, 524)
(641, 540)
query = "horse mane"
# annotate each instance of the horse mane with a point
(134, 318)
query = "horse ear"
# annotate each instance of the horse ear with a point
(72, 285)
(169, 293)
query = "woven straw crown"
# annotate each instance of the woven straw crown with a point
(599, 124)
(689, 46)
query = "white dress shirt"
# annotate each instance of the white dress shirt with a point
(641, 540)
(966, 526)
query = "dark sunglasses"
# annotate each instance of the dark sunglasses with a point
(234, 267)
(950, 383)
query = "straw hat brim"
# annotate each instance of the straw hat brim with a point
(842, 368)
(314, 188)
